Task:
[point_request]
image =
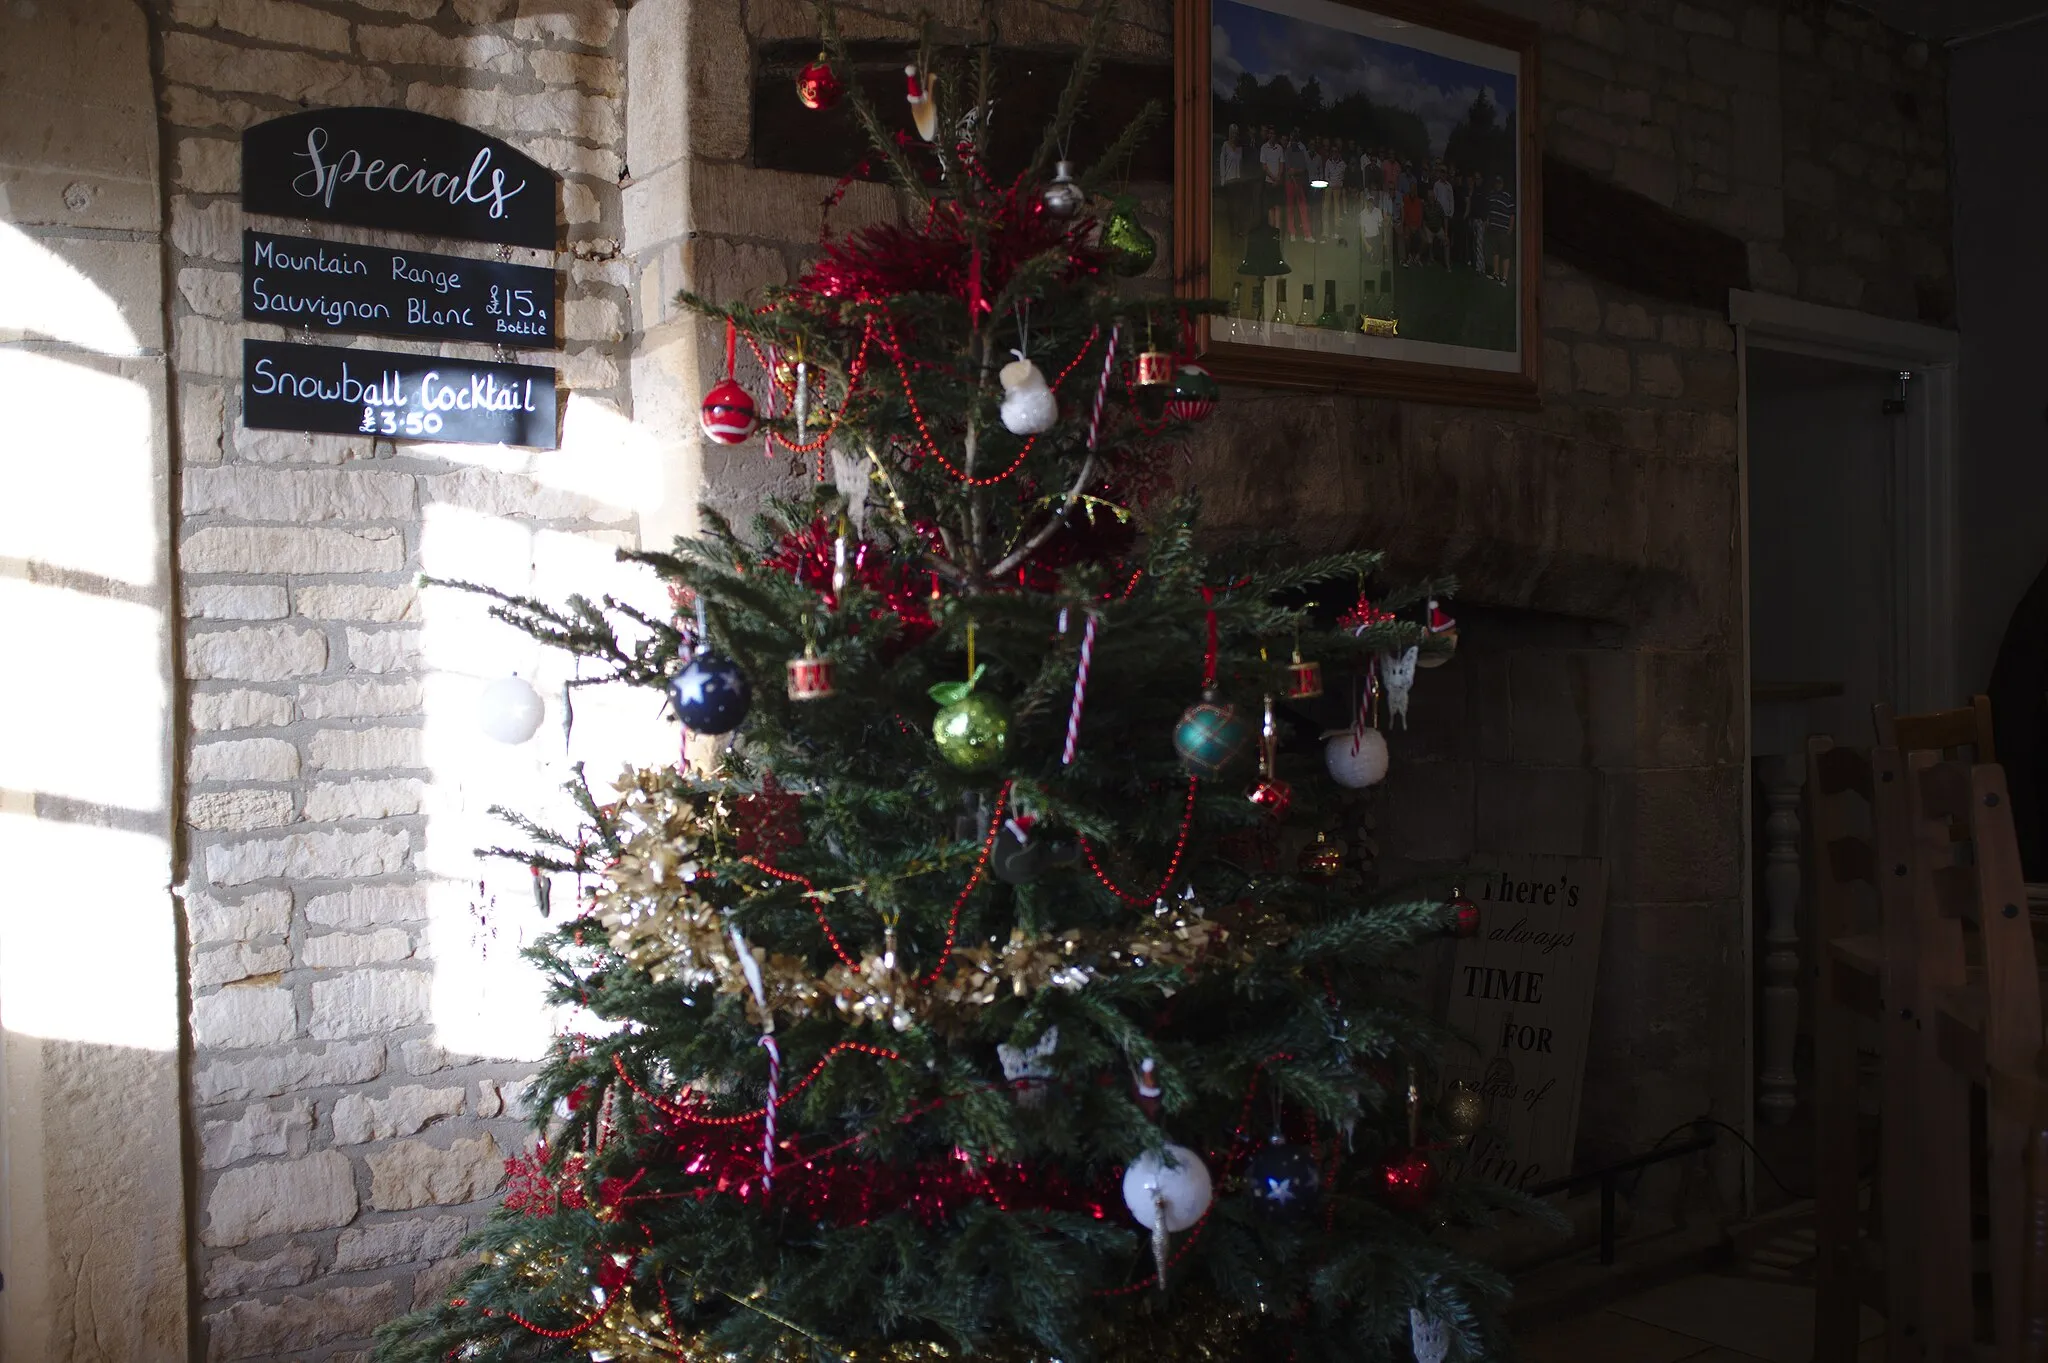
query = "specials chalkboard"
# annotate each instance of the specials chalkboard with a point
(397, 169)
(340, 287)
(405, 397)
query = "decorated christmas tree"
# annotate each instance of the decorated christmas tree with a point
(989, 983)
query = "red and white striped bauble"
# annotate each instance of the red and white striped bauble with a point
(728, 413)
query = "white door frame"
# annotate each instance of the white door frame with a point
(1925, 492)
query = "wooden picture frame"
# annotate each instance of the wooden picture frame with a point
(1464, 343)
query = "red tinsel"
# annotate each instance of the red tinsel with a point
(766, 825)
(1363, 615)
(530, 1188)
(843, 1188)
(807, 556)
(885, 261)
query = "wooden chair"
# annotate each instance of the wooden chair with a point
(1978, 973)
(1858, 827)
(1862, 845)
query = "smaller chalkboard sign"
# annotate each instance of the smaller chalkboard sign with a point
(341, 287)
(399, 169)
(405, 397)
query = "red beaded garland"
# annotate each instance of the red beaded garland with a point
(1172, 867)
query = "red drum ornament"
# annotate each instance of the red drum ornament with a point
(728, 414)
(1155, 368)
(818, 86)
(1304, 679)
(810, 677)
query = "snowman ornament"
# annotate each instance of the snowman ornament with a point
(1028, 404)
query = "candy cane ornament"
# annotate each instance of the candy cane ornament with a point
(768, 1120)
(1080, 691)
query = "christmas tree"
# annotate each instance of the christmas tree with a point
(988, 988)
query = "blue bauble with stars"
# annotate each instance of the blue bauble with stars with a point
(1282, 1180)
(711, 695)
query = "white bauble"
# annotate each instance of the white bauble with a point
(1029, 406)
(1182, 1186)
(1356, 759)
(509, 710)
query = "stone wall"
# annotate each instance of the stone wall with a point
(350, 1112)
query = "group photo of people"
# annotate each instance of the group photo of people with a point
(1361, 185)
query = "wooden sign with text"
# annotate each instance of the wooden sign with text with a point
(1522, 990)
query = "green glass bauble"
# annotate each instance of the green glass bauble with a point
(973, 732)
(1131, 247)
(1210, 738)
(972, 727)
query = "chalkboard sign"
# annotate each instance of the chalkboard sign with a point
(397, 169)
(340, 287)
(405, 397)
(1522, 989)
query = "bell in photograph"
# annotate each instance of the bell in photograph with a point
(1262, 254)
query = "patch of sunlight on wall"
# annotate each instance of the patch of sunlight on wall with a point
(86, 694)
(605, 455)
(75, 469)
(86, 934)
(487, 1000)
(48, 296)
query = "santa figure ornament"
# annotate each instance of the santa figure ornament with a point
(922, 92)
(728, 415)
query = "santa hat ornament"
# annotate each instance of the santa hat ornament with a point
(923, 93)
(1441, 626)
(728, 414)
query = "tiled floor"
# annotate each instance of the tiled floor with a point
(1702, 1319)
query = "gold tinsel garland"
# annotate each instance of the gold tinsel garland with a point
(655, 903)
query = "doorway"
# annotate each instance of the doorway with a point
(1848, 474)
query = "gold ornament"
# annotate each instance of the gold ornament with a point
(1462, 1110)
(1320, 860)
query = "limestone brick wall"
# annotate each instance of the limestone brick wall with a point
(351, 1108)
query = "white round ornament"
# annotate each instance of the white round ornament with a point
(509, 710)
(1356, 758)
(1029, 406)
(1180, 1181)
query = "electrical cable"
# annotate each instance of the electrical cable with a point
(1700, 1121)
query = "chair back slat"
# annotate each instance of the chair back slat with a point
(1852, 859)
(1945, 789)
(1955, 893)
(1942, 731)
(1836, 770)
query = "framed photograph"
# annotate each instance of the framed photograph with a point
(1360, 183)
